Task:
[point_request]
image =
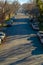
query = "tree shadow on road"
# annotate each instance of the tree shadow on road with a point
(21, 49)
(42, 64)
(18, 29)
(22, 20)
(38, 47)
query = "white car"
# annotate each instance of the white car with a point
(35, 26)
(2, 36)
(40, 35)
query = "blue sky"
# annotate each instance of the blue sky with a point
(21, 1)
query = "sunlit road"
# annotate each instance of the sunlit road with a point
(22, 47)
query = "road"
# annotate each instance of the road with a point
(22, 46)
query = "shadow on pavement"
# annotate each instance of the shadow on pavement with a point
(25, 31)
(36, 43)
(18, 29)
(22, 20)
(42, 64)
(16, 51)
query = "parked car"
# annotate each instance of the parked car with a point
(12, 19)
(35, 26)
(31, 19)
(2, 37)
(40, 35)
(8, 24)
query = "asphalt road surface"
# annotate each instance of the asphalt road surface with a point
(22, 46)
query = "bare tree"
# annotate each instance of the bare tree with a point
(16, 5)
(7, 9)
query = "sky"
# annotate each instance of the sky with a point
(20, 1)
(23, 1)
